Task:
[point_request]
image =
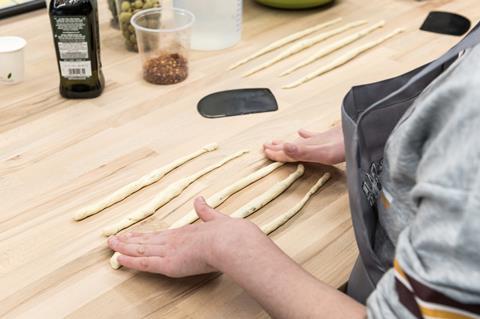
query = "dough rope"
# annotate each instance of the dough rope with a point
(284, 41)
(335, 46)
(134, 186)
(218, 198)
(165, 196)
(262, 200)
(283, 218)
(304, 44)
(341, 60)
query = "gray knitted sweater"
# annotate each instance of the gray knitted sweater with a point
(430, 223)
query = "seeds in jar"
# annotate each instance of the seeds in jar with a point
(166, 68)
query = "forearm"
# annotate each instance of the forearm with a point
(280, 285)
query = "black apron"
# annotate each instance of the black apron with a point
(369, 115)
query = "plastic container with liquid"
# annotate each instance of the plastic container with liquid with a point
(218, 23)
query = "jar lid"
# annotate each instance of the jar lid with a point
(11, 44)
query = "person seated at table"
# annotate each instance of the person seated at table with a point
(430, 231)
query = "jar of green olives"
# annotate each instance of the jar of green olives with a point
(126, 9)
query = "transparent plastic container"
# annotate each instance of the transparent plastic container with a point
(218, 23)
(163, 49)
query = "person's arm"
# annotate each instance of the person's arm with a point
(323, 148)
(240, 250)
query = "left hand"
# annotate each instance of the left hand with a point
(186, 251)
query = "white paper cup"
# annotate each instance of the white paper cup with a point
(12, 62)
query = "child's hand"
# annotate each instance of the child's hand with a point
(323, 148)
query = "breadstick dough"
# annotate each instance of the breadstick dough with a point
(218, 198)
(114, 261)
(335, 46)
(342, 60)
(283, 218)
(304, 44)
(134, 186)
(165, 196)
(286, 40)
(262, 200)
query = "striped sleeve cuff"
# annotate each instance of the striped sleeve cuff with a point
(425, 302)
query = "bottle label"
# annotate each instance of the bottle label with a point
(71, 36)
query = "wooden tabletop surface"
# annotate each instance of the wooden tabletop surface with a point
(57, 155)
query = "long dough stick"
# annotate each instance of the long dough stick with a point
(335, 46)
(169, 193)
(216, 199)
(283, 218)
(134, 186)
(262, 200)
(342, 60)
(283, 41)
(304, 44)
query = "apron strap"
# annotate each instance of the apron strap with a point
(470, 40)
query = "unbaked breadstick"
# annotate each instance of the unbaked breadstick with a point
(284, 41)
(342, 60)
(134, 186)
(262, 200)
(304, 44)
(114, 260)
(216, 199)
(283, 218)
(169, 193)
(335, 46)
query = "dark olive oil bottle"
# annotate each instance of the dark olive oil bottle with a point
(77, 44)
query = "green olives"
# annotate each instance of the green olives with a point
(125, 6)
(125, 17)
(127, 9)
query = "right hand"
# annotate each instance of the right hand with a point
(190, 250)
(323, 148)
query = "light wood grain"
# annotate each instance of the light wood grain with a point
(57, 155)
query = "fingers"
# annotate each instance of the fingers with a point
(310, 153)
(150, 264)
(305, 134)
(136, 250)
(205, 212)
(273, 147)
(278, 156)
(152, 238)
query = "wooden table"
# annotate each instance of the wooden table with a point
(57, 155)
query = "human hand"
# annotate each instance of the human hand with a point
(323, 148)
(190, 250)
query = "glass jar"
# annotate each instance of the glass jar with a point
(112, 6)
(126, 9)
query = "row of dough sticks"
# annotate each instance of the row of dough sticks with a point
(303, 44)
(176, 188)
